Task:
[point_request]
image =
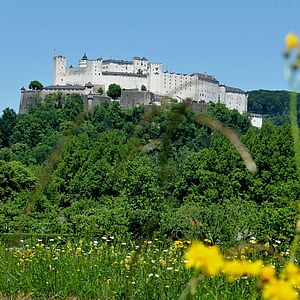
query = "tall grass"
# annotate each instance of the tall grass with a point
(105, 269)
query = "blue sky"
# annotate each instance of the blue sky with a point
(240, 42)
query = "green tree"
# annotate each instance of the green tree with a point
(14, 178)
(7, 125)
(100, 91)
(143, 88)
(114, 91)
(35, 85)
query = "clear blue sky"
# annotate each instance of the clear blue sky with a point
(240, 42)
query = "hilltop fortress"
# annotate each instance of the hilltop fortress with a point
(91, 74)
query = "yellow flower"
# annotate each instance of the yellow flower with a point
(253, 268)
(179, 244)
(207, 241)
(267, 273)
(207, 259)
(242, 268)
(278, 289)
(291, 41)
(292, 274)
(233, 268)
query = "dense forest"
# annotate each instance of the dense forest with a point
(272, 105)
(146, 172)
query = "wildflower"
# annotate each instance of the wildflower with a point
(150, 275)
(209, 259)
(292, 274)
(169, 268)
(291, 41)
(253, 268)
(178, 243)
(163, 262)
(242, 268)
(207, 241)
(278, 289)
(267, 273)
(156, 275)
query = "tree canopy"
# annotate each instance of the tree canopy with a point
(114, 91)
(273, 105)
(145, 171)
(35, 85)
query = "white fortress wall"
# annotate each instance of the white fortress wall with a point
(177, 85)
(125, 81)
(236, 99)
(222, 94)
(122, 66)
(133, 74)
(140, 65)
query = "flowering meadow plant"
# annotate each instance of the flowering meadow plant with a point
(208, 260)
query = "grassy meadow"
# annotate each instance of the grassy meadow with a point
(56, 268)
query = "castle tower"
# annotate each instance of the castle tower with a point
(83, 61)
(155, 78)
(59, 70)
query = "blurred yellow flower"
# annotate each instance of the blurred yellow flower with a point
(278, 289)
(242, 268)
(292, 274)
(291, 41)
(207, 259)
(267, 273)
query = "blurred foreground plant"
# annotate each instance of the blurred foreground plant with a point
(208, 260)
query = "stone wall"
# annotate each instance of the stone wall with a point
(132, 98)
(128, 99)
(92, 101)
(28, 101)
